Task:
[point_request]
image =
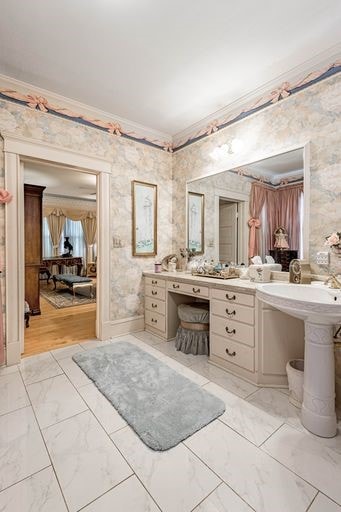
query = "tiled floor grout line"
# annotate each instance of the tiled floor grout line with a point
(205, 498)
(135, 474)
(47, 451)
(25, 478)
(311, 504)
(274, 432)
(216, 474)
(104, 493)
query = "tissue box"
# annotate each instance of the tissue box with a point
(260, 273)
(274, 267)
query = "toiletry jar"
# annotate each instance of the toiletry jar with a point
(259, 273)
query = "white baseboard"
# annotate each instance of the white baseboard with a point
(123, 326)
(13, 353)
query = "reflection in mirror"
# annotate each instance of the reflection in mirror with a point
(254, 210)
(195, 216)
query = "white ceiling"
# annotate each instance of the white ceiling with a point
(60, 181)
(163, 64)
(279, 166)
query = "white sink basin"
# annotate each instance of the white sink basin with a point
(320, 308)
(304, 301)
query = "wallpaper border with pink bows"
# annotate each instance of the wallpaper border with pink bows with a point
(284, 91)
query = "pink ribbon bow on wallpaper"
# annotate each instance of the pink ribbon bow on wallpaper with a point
(5, 196)
(254, 224)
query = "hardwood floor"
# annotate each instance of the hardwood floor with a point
(56, 328)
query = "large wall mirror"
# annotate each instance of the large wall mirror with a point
(260, 208)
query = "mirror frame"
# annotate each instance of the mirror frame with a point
(305, 146)
(202, 220)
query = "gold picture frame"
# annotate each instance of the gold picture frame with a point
(196, 222)
(144, 225)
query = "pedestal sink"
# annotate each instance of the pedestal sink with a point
(320, 308)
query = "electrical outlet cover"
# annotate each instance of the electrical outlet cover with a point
(323, 258)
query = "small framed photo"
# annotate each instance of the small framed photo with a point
(144, 197)
(195, 216)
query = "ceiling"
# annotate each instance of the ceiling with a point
(279, 166)
(162, 64)
(60, 181)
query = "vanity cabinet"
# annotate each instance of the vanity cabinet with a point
(247, 337)
(155, 305)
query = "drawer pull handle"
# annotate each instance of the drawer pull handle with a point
(176, 286)
(196, 290)
(233, 297)
(154, 321)
(230, 313)
(154, 292)
(154, 282)
(232, 354)
(233, 331)
(154, 305)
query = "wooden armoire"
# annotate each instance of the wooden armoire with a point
(33, 200)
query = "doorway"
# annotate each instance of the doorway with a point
(16, 150)
(228, 231)
(60, 256)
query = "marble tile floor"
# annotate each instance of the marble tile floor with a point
(64, 448)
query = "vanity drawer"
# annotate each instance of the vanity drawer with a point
(155, 320)
(234, 297)
(232, 352)
(155, 292)
(156, 305)
(229, 329)
(188, 289)
(155, 281)
(236, 312)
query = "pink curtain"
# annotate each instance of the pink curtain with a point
(257, 200)
(281, 209)
(288, 205)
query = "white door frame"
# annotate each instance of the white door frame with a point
(16, 148)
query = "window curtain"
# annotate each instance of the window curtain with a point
(278, 207)
(56, 221)
(257, 200)
(288, 209)
(89, 225)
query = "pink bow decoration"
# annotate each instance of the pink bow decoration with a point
(5, 196)
(38, 101)
(114, 128)
(280, 93)
(212, 127)
(254, 224)
(168, 147)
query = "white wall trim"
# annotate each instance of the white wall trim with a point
(123, 326)
(16, 148)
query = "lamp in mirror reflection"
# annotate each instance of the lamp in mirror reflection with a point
(229, 148)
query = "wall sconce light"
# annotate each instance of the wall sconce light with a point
(229, 148)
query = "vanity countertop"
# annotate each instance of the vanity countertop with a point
(235, 284)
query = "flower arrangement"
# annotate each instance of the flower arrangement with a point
(334, 242)
(187, 253)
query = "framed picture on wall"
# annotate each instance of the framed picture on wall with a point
(144, 197)
(195, 216)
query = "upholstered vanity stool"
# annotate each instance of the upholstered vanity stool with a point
(193, 333)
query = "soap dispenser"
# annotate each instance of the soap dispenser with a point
(299, 272)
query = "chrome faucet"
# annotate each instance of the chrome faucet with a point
(333, 281)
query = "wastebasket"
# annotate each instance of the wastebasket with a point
(295, 372)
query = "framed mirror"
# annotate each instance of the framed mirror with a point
(196, 222)
(235, 218)
(144, 198)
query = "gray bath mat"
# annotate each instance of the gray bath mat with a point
(162, 406)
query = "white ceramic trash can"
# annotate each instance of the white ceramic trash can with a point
(295, 372)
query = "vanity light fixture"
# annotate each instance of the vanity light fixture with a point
(229, 148)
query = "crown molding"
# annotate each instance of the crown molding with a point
(53, 103)
(308, 73)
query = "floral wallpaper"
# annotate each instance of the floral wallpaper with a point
(312, 115)
(130, 160)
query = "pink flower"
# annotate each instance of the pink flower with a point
(333, 239)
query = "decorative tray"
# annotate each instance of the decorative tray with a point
(215, 275)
